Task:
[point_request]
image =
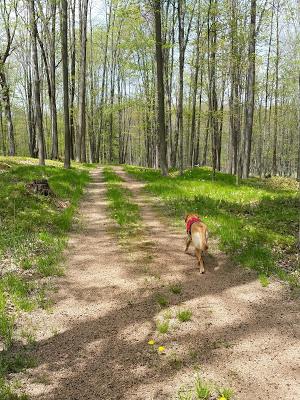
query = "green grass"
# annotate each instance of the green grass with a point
(176, 288)
(33, 228)
(202, 389)
(33, 234)
(163, 327)
(264, 280)
(256, 222)
(8, 393)
(184, 315)
(13, 363)
(162, 300)
(227, 393)
(121, 207)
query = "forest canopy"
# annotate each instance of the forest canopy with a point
(87, 70)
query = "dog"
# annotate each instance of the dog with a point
(198, 234)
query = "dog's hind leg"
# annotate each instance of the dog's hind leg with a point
(200, 260)
(188, 242)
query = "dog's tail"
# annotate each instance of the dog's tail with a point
(200, 242)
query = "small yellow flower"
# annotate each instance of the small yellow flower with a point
(222, 398)
(161, 349)
(151, 342)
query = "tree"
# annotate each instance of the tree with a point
(36, 81)
(6, 11)
(160, 90)
(212, 93)
(250, 91)
(65, 66)
(81, 137)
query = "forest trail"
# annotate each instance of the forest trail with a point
(94, 343)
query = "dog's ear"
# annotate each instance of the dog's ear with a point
(186, 217)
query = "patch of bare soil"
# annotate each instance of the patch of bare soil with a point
(94, 344)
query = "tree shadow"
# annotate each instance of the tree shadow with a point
(96, 359)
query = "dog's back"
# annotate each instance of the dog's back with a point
(199, 235)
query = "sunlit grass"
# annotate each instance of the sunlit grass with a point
(121, 206)
(184, 315)
(33, 234)
(256, 222)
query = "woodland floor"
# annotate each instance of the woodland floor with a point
(94, 343)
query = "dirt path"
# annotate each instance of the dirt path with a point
(94, 343)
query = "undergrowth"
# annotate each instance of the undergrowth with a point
(201, 389)
(33, 234)
(256, 222)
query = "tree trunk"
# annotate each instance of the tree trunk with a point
(36, 83)
(65, 67)
(7, 109)
(181, 70)
(81, 137)
(212, 93)
(250, 92)
(160, 90)
(195, 90)
(72, 79)
(54, 133)
(234, 102)
(274, 160)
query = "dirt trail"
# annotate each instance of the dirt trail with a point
(94, 343)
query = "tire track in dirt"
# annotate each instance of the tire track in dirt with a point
(241, 334)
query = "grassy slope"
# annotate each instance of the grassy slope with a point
(32, 236)
(256, 222)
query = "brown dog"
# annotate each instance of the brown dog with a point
(198, 234)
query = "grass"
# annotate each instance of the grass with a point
(162, 300)
(227, 393)
(33, 234)
(176, 288)
(8, 393)
(256, 222)
(184, 315)
(121, 207)
(203, 390)
(163, 327)
(175, 361)
(264, 280)
(13, 363)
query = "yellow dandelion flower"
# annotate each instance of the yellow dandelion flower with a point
(222, 398)
(151, 342)
(161, 349)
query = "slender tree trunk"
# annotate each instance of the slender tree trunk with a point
(195, 90)
(204, 157)
(54, 133)
(36, 83)
(212, 92)
(72, 78)
(7, 109)
(250, 92)
(234, 94)
(181, 70)
(65, 63)
(274, 163)
(81, 137)
(2, 137)
(197, 149)
(160, 90)
(298, 167)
